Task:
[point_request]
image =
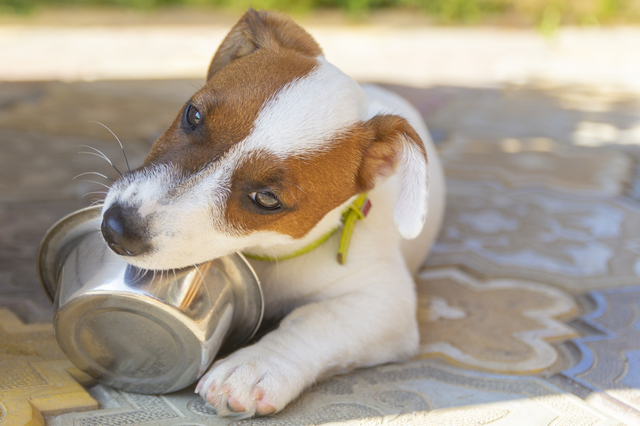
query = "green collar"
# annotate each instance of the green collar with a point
(356, 211)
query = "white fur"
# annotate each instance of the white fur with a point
(307, 113)
(336, 317)
(192, 230)
(411, 208)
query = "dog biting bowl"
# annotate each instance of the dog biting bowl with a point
(143, 331)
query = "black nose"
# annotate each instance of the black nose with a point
(123, 230)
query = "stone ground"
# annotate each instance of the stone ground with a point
(529, 304)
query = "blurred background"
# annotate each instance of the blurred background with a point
(415, 42)
(545, 14)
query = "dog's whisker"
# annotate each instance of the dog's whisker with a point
(97, 183)
(291, 183)
(93, 153)
(199, 271)
(290, 193)
(94, 192)
(97, 203)
(93, 173)
(118, 139)
(140, 273)
(273, 254)
(102, 155)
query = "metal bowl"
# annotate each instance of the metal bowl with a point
(137, 330)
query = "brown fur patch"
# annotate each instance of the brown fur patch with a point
(308, 187)
(381, 156)
(311, 186)
(262, 29)
(238, 87)
(260, 56)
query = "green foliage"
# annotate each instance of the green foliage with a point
(610, 8)
(459, 11)
(551, 18)
(547, 15)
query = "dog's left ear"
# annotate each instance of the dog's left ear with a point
(393, 143)
(262, 30)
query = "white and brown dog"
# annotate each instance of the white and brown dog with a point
(265, 159)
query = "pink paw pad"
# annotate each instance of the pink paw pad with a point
(213, 397)
(262, 407)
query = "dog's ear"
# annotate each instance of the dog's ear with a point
(394, 143)
(262, 29)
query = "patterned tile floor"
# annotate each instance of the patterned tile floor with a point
(529, 304)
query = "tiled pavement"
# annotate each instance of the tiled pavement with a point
(529, 304)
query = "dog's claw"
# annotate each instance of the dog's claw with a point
(234, 406)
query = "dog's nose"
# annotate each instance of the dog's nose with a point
(122, 233)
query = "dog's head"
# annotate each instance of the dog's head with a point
(275, 140)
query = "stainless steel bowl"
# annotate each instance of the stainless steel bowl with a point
(143, 331)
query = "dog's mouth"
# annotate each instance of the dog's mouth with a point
(149, 226)
(164, 240)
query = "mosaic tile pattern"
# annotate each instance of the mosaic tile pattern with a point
(577, 243)
(34, 376)
(611, 361)
(539, 162)
(421, 392)
(501, 325)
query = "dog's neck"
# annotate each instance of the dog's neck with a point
(331, 221)
(357, 210)
(328, 223)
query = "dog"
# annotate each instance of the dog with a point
(333, 190)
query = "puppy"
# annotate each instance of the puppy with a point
(274, 157)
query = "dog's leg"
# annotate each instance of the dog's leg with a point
(371, 321)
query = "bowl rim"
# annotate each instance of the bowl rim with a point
(48, 279)
(49, 263)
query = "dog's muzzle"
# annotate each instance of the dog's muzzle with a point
(124, 231)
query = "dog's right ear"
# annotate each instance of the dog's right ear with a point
(262, 29)
(392, 143)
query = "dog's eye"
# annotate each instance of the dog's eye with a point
(193, 116)
(267, 200)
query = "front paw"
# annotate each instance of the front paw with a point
(251, 381)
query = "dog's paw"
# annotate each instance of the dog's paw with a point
(251, 382)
